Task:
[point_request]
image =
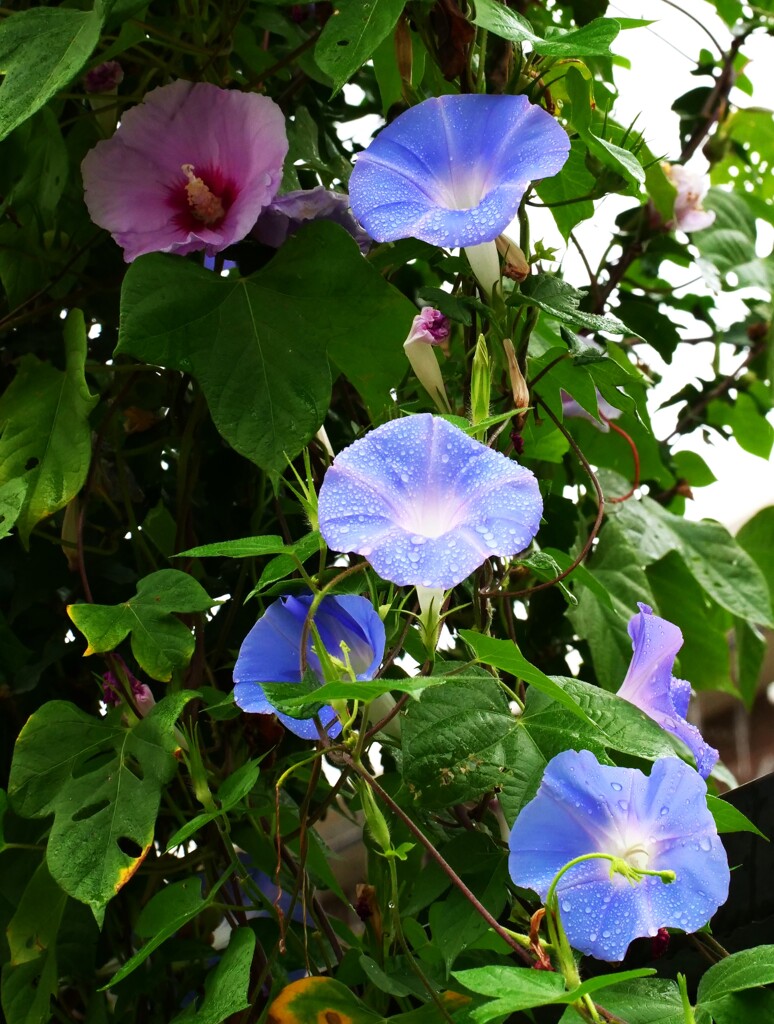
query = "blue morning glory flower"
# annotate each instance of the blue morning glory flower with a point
(283, 217)
(453, 169)
(650, 685)
(271, 652)
(426, 504)
(656, 823)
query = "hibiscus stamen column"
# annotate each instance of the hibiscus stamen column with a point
(205, 205)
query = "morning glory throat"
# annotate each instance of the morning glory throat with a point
(426, 504)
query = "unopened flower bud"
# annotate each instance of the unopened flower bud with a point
(518, 383)
(428, 329)
(430, 326)
(376, 822)
(480, 382)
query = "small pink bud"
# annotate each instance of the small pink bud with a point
(430, 326)
(112, 692)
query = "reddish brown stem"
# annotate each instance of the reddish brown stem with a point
(594, 529)
(447, 869)
(635, 457)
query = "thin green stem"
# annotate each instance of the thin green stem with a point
(481, 70)
(688, 1014)
(447, 869)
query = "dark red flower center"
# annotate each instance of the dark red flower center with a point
(205, 205)
(202, 199)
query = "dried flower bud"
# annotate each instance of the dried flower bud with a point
(515, 264)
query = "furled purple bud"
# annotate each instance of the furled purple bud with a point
(430, 326)
(104, 77)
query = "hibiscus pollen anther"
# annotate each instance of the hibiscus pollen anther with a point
(205, 205)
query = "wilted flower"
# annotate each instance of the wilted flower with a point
(452, 171)
(271, 652)
(572, 409)
(429, 328)
(286, 214)
(189, 168)
(112, 693)
(691, 187)
(105, 77)
(650, 685)
(655, 823)
(426, 503)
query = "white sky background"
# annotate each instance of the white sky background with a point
(662, 57)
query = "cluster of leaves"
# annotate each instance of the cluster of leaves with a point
(167, 868)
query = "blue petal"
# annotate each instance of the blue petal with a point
(306, 727)
(650, 686)
(356, 621)
(271, 652)
(602, 917)
(251, 698)
(686, 840)
(575, 811)
(453, 169)
(426, 504)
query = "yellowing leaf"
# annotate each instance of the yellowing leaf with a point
(319, 1001)
(160, 641)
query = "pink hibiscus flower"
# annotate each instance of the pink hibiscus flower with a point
(189, 168)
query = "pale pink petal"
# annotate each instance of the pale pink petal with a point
(136, 184)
